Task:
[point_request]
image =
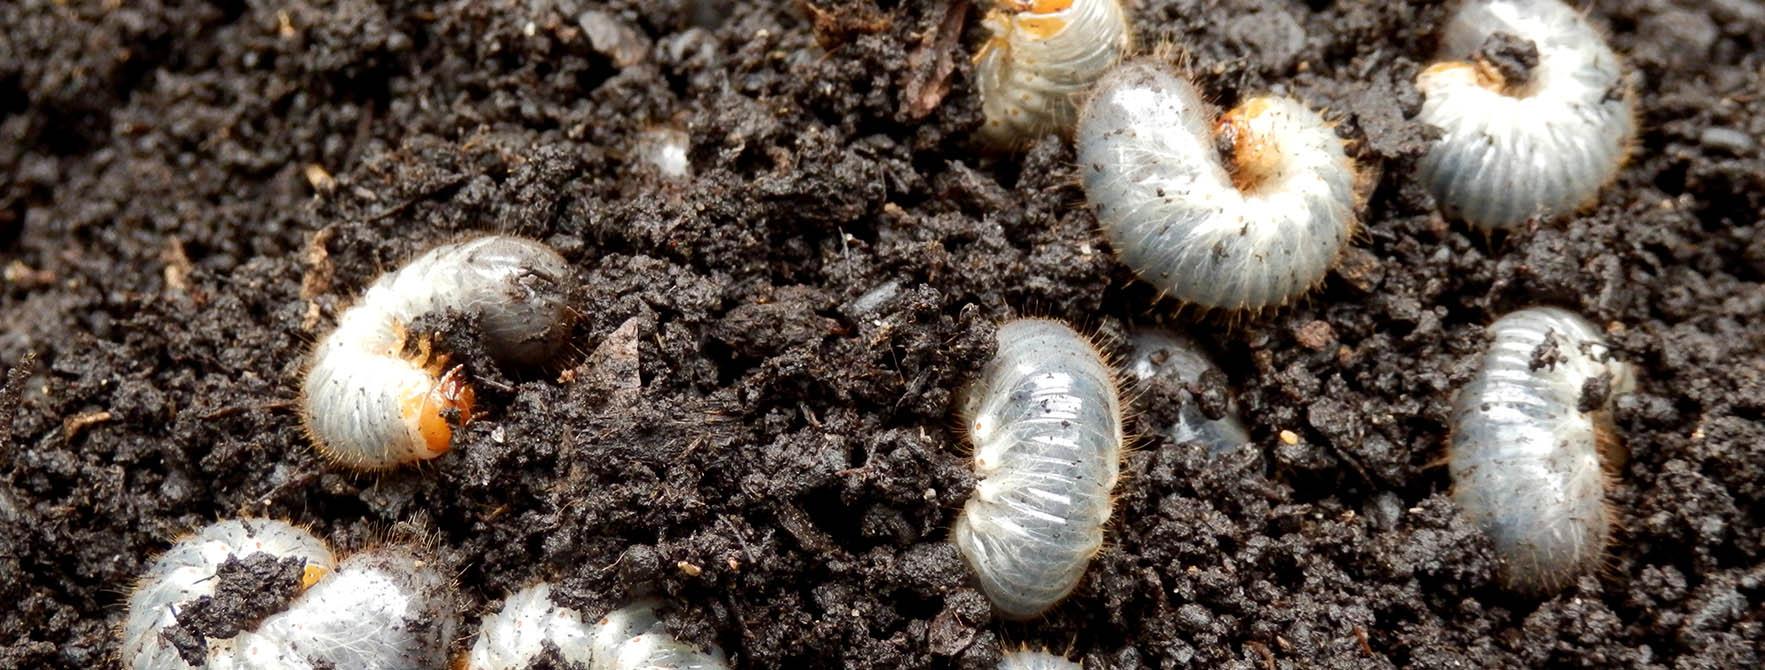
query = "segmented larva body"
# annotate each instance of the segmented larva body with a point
(1520, 144)
(382, 609)
(1045, 421)
(1042, 56)
(1255, 232)
(1035, 660)
(369, 401)
(1161, 354)
(1526, 446)
(629, 638)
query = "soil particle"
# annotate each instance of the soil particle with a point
(752, 419)
(246, 591)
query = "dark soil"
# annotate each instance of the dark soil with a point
(754, 421)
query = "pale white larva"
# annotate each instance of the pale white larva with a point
(629, 638)
(371, 400)
(1523, 139)
(1528, 435)
(1026, 659)
(1161, 354)
(381, 609)
(1042, 56)
(1045, 421)
(1255, 232)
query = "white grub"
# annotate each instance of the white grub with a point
(1158, 353)
(1045, 421)
(369, 402)
(1255, 231)
(381, 609)
(1520, 143)
(629, 638)
(1025, 659)
(1526, 446)
(1041, 58)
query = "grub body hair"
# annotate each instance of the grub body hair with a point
(1043, 56)
(1512, 150)
(368, 403)
(1525, 458)
(381, 609)
(1045, 420)
(629, 638)
(1252, 232)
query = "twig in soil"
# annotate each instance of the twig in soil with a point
(1268, 657)
(233, 410)
(10, 397)
(834, 27)
(71, 428)
(739, 540)
(929, 68)
(448, 184)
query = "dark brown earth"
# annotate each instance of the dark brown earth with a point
(189, 192)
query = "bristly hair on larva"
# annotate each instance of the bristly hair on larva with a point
(1045, 421)
(1535, 112)
(629, 638)
(377, 395)
(1035, 659)
(385, 608)
(1042, 57)
(1529, 433)
(1244, 214)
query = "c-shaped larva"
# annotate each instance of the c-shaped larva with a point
(1255, 232)
(381, 609)
(629, 638)
(1042, 56)
(1157, 353)
(1026, 659)
(1528, 434)
(1045, 421)
(371, 402)
(1528, 129)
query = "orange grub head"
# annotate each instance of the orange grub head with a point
(1251, 158)
(428, 410)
